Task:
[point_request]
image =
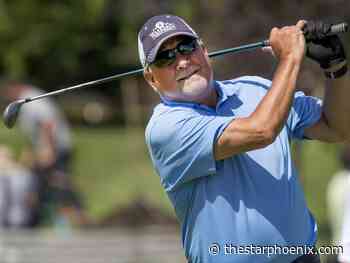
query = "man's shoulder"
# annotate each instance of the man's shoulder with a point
(31, 91)
(166, 118)
(244, 81)
(164, 111)
(43, 109)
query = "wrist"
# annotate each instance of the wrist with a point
(291, 62)
(336, 71)
(291, 65)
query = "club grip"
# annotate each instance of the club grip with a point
(316, 30)
(313, 32)
(339, 28)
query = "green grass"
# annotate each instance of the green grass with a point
(112, 168)
(319, 163)
(12, 138)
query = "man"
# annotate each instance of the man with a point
(339, 206)
(49, 136)
(222, 150)
(43, 124)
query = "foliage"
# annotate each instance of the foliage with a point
(53, 42)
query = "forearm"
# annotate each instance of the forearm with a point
(261, 128)
(46, 147)
(336, 106)
(274, 108)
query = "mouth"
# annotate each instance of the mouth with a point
(187, 75)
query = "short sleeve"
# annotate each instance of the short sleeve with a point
(40, 111)
(181, 145)
(305, 112)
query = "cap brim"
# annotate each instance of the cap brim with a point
(154, 50)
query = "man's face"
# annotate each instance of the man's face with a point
(188, 78)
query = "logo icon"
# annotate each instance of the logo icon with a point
(161, 28)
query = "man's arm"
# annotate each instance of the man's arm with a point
(46, 154)
(334, 126)
(264, 124)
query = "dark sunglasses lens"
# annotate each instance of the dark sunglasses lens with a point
(187, 47)
(163, 62)
(165, 58)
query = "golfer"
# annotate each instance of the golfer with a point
(221, 148)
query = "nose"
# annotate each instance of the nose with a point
(182, 61)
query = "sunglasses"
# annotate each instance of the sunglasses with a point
(167, 57)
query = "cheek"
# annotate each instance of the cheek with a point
(203, 61)
(206, 67)
(165, 79)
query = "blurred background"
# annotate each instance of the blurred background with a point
(95, 197)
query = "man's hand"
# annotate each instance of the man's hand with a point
(329, 53)
(288, 42)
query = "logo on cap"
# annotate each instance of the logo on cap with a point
(160, 28)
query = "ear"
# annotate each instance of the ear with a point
(148, 75)
(202, 45)
(205, 50)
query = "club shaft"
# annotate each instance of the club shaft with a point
(140, 70)
(339, 28)
(240, 48)
(90, 83)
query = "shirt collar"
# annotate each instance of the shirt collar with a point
(223, 93)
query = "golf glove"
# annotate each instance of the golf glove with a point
(329, 52)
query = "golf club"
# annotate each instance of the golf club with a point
(12, 110)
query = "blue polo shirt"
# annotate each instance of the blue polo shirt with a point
(240, 204)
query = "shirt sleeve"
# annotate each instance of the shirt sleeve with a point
(40, 111)
(305, 112)
(181, 145)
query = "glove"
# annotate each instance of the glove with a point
(329, 52)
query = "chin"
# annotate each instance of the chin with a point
(196, 88)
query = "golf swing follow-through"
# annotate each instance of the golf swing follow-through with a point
(312, 32)
(222, 148)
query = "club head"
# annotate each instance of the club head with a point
(11, 113)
